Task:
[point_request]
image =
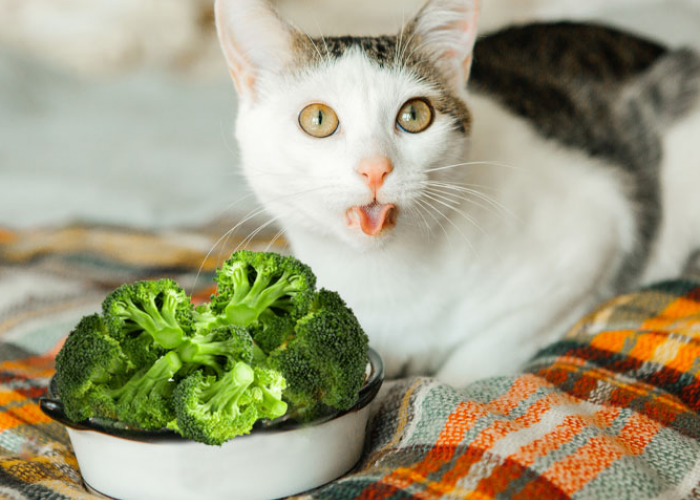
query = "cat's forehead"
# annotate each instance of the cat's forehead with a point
(354, 74)
(383, 50)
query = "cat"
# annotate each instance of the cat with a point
(470, 200)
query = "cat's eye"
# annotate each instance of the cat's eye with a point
(318, 120)
(415, 116)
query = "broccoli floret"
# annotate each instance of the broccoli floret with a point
(95, 378)
(267, 393)
(324, 359)
(145, 401)
(213, 410)
(89, 363)
(148, 318)
(271, 330)
(204, 319)
(218, 349)
(250, 283)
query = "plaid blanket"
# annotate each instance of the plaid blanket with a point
(610, 411)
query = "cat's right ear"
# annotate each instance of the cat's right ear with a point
(254, 41)
(444, 33)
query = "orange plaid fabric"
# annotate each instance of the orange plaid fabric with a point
(609, 411)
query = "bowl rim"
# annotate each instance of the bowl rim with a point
(52, 407)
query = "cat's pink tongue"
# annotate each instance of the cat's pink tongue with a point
(372, 218)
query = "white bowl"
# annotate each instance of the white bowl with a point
(276, 461)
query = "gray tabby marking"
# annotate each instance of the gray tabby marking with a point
(599, 90)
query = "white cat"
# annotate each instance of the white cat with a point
(469, 226)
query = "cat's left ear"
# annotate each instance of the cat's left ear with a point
(444, 32)
(254, 40)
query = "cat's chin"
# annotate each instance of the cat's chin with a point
(356, 239)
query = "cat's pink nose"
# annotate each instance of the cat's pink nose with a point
(374, 170)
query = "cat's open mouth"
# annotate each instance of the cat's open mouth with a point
(372, 219)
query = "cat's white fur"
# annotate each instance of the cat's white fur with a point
(462, 292)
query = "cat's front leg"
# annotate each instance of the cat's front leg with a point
(505, 346)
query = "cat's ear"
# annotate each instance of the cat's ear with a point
(254, 41)
(444, 32)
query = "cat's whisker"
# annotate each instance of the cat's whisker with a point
(320, 56)
(429, 209)
(400, 39)
(250, 215)
(458, 196)
(454, 208)
(232, 205)
(323, 38)
(246, 241)
(464, 184)
(415, 49)
(253, 213)
(420, 214)
(274, 239)
(404, 59)
(473, 163)
(444, 216)
(499, 207)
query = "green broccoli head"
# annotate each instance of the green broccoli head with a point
(89, 363)
(213, 410)
(204, 318)
(218, 349)
(148, 313)
(145, 400)
(267, 391)
(250, 283)
(325, 359)
(270, 330)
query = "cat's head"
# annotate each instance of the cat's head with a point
(343, 136)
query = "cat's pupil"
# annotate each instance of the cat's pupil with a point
(318, 119)
(410, 114)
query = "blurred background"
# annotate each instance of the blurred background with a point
(121, 111)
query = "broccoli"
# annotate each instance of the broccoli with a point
(145, 401)
(271, 330)
(267, 340)
(204, 319)
(213, 410)
(324, 358)
(148, 318)
(96, 379)
(218, 349)
(88, 365)
(250, 283)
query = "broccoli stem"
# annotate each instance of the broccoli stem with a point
(152, 380)
(161, 325)
(247, 303)
(204, 319)
(202, 350)
(223, 395)
(271, 405)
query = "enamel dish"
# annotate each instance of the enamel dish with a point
(274, 461)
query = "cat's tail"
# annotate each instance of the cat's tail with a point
(669, 89)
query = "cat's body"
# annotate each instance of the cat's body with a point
(582, 146)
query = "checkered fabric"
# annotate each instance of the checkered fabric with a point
(608, 412)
